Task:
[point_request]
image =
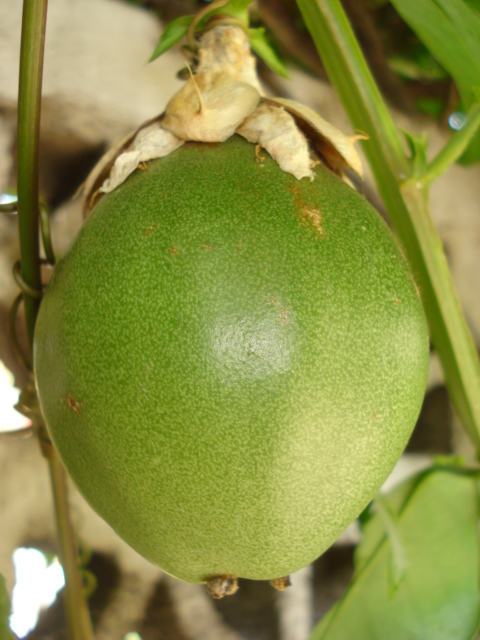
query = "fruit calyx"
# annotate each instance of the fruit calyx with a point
(220, 586)
(222, 98)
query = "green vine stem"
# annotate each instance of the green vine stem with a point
(407, 207)
(29, 101)
(454, 148)
(31, 68)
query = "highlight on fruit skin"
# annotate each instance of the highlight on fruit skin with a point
(230, 359)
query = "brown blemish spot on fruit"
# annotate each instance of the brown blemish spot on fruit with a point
(309, 215)
(173, 250)
(283, 312)
(258, 157)
(220, 586)
(398, 301)
(73, 404)
(281, 583)
(149, 229)
(374, 416)
(312, 215)
(208, 247)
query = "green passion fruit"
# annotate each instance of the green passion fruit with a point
(230, 361)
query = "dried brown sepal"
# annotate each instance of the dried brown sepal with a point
(276, 131)
(220, 586)
(101, 171)
(331, 145)
(280, 584)
(149, 143)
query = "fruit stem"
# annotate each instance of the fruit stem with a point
(29, 104)
(199, 17)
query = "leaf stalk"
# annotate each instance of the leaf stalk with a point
(454, 148)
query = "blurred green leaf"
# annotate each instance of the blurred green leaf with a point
(174, 32)
(5, 632)
(434, 107)
(265, 51)
(416, 69)
(451, 31)
(436, 515)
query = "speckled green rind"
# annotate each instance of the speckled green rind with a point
(230, 361)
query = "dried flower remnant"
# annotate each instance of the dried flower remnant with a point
(280, 584)
(222, 98)
(152, 142)
(220, 586)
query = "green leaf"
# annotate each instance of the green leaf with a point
(264, 50)
(174, 32)
(434, 107)
(5, 632)
(451, 30)
(412, 70)
(436, 516)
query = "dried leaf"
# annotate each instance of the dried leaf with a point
(332, 145)
(275, 130)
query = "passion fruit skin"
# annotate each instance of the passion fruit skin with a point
(230, 361)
